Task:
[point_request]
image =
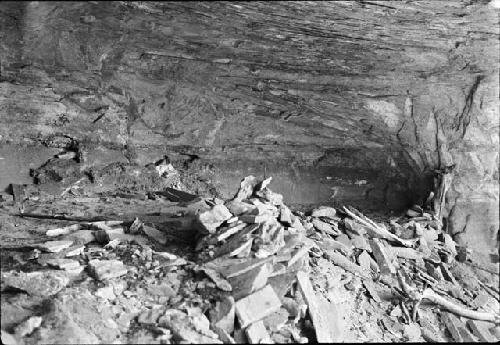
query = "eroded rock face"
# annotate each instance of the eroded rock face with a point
(342, 101)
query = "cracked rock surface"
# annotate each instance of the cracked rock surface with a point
(340, 101)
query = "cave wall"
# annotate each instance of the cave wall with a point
(341, 101)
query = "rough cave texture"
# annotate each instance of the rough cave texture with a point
(351, 102)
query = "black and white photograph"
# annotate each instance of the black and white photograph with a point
(249, 172)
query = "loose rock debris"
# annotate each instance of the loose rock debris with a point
(247, 269)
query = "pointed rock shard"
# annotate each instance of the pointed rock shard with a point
(247, 186)
(263, 184)
(326, 320)
(257, 306)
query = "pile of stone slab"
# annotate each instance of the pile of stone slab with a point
(258, 250)
(257, 255)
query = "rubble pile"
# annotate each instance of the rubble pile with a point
(248, 269)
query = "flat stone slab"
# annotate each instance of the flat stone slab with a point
(257, 333)
(107, 269)
(64, 264)
(325, 318)
(257, 306)
(53, 246)
(40, 283)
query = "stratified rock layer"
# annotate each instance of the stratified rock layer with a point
(351, 101)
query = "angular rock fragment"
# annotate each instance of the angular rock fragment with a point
(150, 316)
(240, 336)
(271, 245)
(461, 253)
(272, 197)
(217, 278)
(370, 287)
(456, 328)
(360, 242)
(64, 264)
(481, 331)
(185, 327)
(412, 332)
(276, 320)
(63, 231)
(263, 184)
(246, 189)
(163, 289)
(106, 293)
(286, 215)
(382, 257)
(348, 265)
(354, 227)
(7, 338)
(208, 221)
(298, 254)
(107, 269)
(326, 320)
(256, 219)
(222, 317)
(257, 333)
(324, 211)
(155, 234)
(322, 226)
(28, 326)
(329, 245)
(230, 231)
(39, 283)
(80, 237)
(53, 246)
(251, 281)
(237, 207)
(257, 306)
